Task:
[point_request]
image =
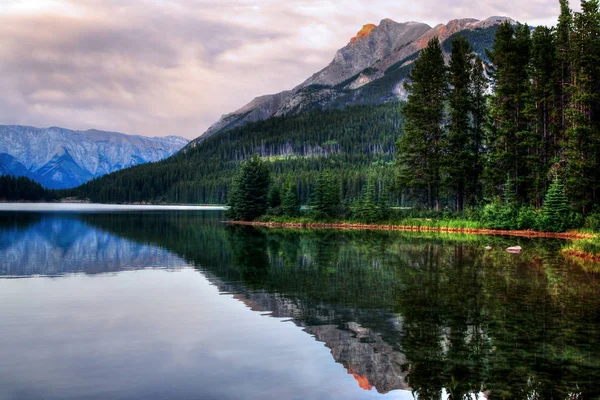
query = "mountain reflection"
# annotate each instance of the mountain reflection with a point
(46, 244)
(398, 311)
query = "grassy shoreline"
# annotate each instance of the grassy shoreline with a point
(573, 235)
(583, 246)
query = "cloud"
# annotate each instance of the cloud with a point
(159, 68)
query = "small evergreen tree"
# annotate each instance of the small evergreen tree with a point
(326, 199)
(248, 197)
(274, 197)
(367, 209)
(290, 203)
(555, 211)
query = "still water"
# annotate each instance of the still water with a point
(172, 304)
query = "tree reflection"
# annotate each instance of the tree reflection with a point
(436, 314)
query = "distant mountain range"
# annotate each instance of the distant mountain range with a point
(60, 158)
(370, 69)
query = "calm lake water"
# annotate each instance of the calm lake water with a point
(104, 303)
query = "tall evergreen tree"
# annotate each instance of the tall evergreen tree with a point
(249, 192)
(459, 155)
(479, 115)
(582, 136)
(564, 70)
(542, 143)
(508, 148)
(419, 150)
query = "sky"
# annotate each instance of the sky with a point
(173, 67)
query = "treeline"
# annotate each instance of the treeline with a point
(23, 189)
(254, 194)
(346, 142)
(540, 125)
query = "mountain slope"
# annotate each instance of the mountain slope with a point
(349, 128)
(61, 158)
(370, 69)
(347, 141)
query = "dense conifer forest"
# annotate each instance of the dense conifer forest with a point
(532, 146)
(347, 142)
(23, 189)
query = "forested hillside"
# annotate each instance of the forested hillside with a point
(349, 142)
(23, 189)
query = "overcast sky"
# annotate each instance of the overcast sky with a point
(172, 67)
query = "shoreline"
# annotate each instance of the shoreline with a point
(401, 228)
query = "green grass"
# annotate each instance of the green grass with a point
(413, 222)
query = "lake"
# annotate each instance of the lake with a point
(163, 303)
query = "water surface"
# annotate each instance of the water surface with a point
(154, 304)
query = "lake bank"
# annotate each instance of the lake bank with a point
(403, 228)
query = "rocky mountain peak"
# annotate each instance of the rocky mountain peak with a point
(372, 43)
(378, 53)
(364, 32)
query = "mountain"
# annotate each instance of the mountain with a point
(370, 69)
(60, 158)
(340, 120)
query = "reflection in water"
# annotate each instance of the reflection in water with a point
(46, 245)
(398, 311)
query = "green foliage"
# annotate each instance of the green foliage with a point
(345, 142)
(592, 220)
(419, 151)
(508, 150)
(250, 189)
(499, 215)
(274, 197)
(290, 204)
(326, 199)
(555, 212)
(459, 145)
(368, 208)
(23, 189)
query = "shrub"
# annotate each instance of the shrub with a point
(499, 215)
(527, 218)
(592, 220)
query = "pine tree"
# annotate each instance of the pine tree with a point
(542, 142)
(326, 199)
(582, 136)
(564, 71)
(459, 156)
(419, 150)
(248, 198)
(508, 148)
(479, 115)
(274, 197)
(367, 208)
(556, 208)
(291, 202)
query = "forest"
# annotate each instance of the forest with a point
(534, 143)
(23, 189)
(347, 142)
(523, 157)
